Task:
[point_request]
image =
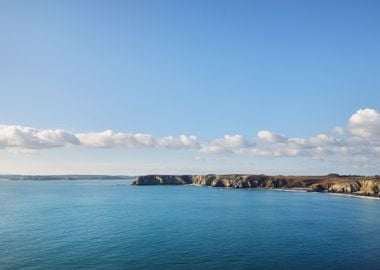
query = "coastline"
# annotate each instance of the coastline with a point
(357, 196)
(360, 186)
(303, 190)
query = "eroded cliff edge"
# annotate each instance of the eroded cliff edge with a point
(355, 185)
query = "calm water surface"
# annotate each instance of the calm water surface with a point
(113, 225)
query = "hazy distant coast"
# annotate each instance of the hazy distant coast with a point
(334, 183)
(65, 177)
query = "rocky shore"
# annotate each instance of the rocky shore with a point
(354, 185)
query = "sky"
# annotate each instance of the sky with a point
(189, 87)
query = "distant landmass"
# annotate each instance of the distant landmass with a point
(334, 183)
(64, 177)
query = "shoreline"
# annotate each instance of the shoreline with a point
(328, 193)
(357, 196)
(303, 190)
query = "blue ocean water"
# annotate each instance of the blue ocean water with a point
(112, 225)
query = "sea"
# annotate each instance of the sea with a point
(111, 224)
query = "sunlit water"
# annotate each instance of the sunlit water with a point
(113, 225)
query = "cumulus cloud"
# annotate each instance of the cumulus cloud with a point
(227, 144)
(360, 138)
(231, 141)
(323, 140)
(182, 141)
(19, 139)
(315, 147)
(110, 139)
(213, 149)
(32, 138)
(365, 123)
(270, 137)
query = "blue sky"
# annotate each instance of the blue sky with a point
(203, 68)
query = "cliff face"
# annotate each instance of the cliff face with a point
(163, 180)
(350, 185)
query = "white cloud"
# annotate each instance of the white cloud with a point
(110, 139)
(231, 141)
(32, 138)
(270, 137)
(272, 152)
(359, 138)
(182, 141)
(213, 149)
(323, 140)
(19, 139)
(227, 144)
(365, 123)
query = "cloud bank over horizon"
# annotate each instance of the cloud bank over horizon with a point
(359, 140)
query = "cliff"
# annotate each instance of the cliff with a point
(356, 185)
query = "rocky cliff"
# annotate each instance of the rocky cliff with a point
(358, 185)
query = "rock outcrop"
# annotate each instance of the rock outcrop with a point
(358, 185)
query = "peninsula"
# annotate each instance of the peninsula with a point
(334, 183)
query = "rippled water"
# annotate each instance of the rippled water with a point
(113, 225)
